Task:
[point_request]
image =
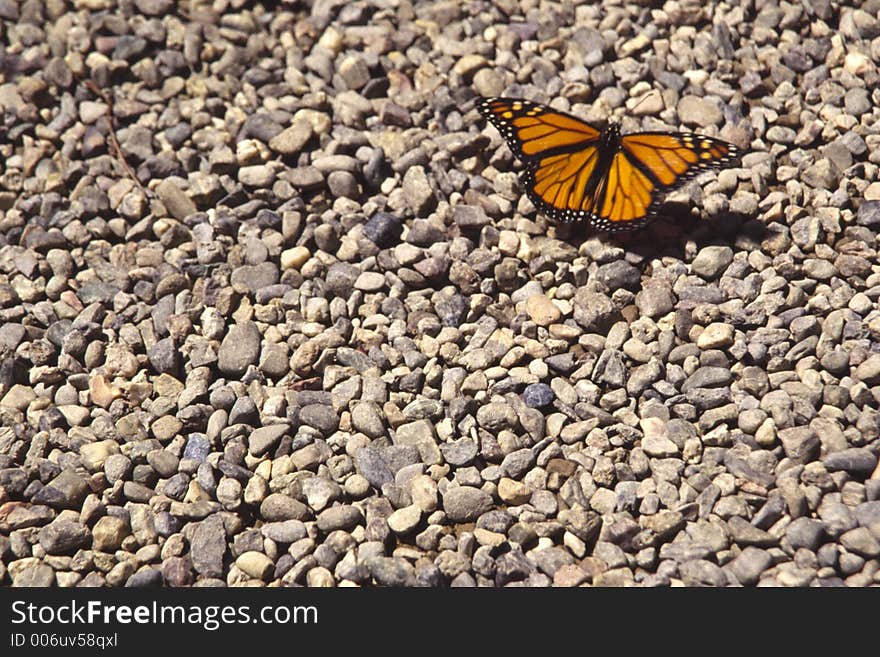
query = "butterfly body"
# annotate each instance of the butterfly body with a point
(575, 172)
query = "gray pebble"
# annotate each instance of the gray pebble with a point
(64, 537)
(240, 348)
(465, 503)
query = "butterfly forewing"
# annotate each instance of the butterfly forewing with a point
(671, 159)
(531, 130)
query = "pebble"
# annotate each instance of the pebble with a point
(366, 417)
(293, 139)
(208, 547)
(405, 520)
(542, 310)
(465, 503)
(513, 492)
(256, 565)
(66, 491)
(656, 442)
(800, 443)
(63, 537)
(538, 395)
(175, 200)
(108, 533)
(345, 517)
(856, 460)
(868, 370)
(239, 349)
(278, 507)
(711, 261)
(749, 564)
(383, 229)
(94, 455)
(263, 439)
(805, 532)
(716, 336)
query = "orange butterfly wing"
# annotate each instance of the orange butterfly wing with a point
(561, 153)
(575, 172)
(532, 130)
(649, 163)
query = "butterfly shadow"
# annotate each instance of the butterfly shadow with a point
(675, 232)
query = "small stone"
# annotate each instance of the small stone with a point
(286, 531)
(805, 533)
(256, 565)
(469, 216)
(34, 575)
(383, 229)
(367, 418)
(423, 490)
(63, 537)
(388, 571)
(108, 533)
(542, 310)
(538, 395)
(665, 524)
(655, 300)
(420, 434)
(700, 572)
(344, 517)
(251, 279)
(178, 204)
(292, 140)
(619, 274)
(154, 7)
(465, 503)
(405, 520)
(373, 467)
(460, 452)
(868, 370)
(257, 175)
(295, 257)
(278, 507)
(800, 443)
(197, 447)
(266, 438)
(321, 417)
(19, 397)
(716, 336)
(749, 564)
(857, 460)
(513, 492)
(417, 191)
(711, 261)
(496, 416)
(697, 111)
(101, 392)
(239, 349)
(94, 455)
(66, 491)
(656, 442)
(569, 575)
(208, 547)
(370, 281)
(861, 541)
(518, 462)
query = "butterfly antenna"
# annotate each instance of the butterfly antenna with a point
(643, 98)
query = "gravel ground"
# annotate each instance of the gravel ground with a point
(274, 310)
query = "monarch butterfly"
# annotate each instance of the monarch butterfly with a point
(575, 172)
